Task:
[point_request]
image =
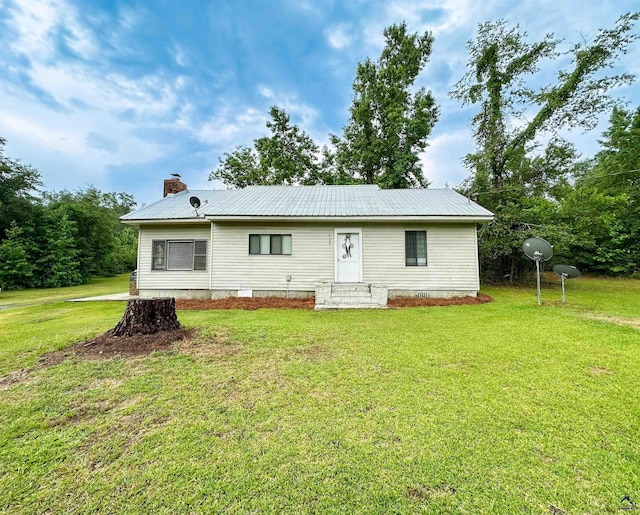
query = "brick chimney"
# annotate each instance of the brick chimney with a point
(174, 185)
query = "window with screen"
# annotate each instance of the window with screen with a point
(415, 245)
(179, 255)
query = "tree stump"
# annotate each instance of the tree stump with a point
(147, 316)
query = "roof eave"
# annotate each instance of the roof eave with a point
(147, 221)
(428, 218)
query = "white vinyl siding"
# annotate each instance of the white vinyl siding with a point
(452, 262)
(190, 278)
(307, 256)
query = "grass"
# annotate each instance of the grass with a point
(505, 407)
(99, 286)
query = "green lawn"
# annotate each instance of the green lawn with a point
(505, 407)
(100, 286)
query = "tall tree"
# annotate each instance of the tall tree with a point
(16, 263)
(505, 129)
(616, 168)
(97, 228)
(287, 156)
(59, 265)
(18, 182)
(512, 169)
(604, 209)
(389, 124)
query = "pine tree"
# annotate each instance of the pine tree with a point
(16, 267)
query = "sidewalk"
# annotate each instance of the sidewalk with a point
(111, 297)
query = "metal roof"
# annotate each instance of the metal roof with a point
(177, 206)
(313, 201)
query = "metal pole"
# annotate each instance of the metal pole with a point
(538, 274)
(563, 278)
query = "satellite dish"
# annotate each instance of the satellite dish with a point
(538, 250)
(195, 202)
(566, 272)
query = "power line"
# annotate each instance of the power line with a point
(501, 190)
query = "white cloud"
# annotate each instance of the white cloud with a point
(441, 160)
(180, 55)
(36, 22)
(291, 104)
(229, 128)
(129, 17)
(83, 133)
(338, 36)
(68, 141)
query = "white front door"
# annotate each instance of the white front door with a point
(348, 255)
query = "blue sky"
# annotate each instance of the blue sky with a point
(121, 94)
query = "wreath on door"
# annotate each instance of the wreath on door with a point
(347, 246)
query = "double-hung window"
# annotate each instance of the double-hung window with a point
(415, 247)
(179, 255)
(278, 244)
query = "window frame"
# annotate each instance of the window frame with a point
(201, 266)
(415, 258)
(259, 238)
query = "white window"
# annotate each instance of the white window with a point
(179, 255)
(274, 244)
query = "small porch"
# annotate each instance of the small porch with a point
(332, 295)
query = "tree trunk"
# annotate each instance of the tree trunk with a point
(147, 316)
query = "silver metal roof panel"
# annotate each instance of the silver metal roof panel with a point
(177, 206)
(312, 201)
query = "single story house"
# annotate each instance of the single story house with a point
(347, 245)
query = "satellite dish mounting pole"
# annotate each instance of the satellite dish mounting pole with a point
(538, 250)
(537, 259)
(566, 272)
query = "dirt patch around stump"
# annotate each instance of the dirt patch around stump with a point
(107, 346)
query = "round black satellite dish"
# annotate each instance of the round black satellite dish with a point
(542, 247)
(195, 202)
(570, 272)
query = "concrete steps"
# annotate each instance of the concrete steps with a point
(350, 296)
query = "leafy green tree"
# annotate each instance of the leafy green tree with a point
(16, 263)
(616, 168)
(97, 228)
(602, 238)
(512, 167)
(17, 183)
(500, 62)
(604, 208)
(287, 156)
(59, 265)
(239, 169)
(389, 124)
(127, 249)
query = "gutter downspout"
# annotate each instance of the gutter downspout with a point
(211, 261)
